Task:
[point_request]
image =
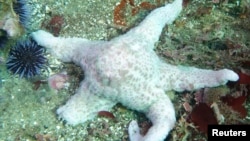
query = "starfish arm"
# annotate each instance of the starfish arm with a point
(180, 78)
(65, 49)
(162, 115)
(134, 131)
(83, 106)
(149, 30)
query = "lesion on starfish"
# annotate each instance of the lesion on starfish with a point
(83, 106)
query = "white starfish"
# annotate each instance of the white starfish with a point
(126, 70)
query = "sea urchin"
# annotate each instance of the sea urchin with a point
(26, 59)
(3, 38)
(23, 11)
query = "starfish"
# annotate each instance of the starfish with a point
(126, 70)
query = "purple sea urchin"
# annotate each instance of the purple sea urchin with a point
(23, 11)
(3, 38)
(14, 16)
(26, 59)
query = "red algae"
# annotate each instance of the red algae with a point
(244, 78)
(55, 24)
(119, 13)
(120, 9)
(202, 115)
(147, 6)
(236, 104)
(106, 114)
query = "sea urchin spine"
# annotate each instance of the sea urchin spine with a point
(26, 59)
(3, 38)
(23, 11)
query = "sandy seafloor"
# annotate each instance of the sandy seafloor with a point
(29, 115)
